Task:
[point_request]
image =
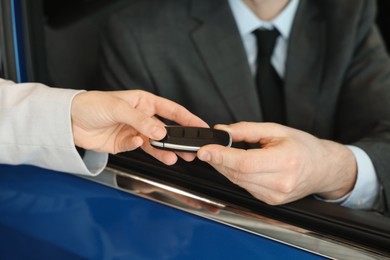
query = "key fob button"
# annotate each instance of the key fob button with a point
(191, 132)
(205, 133)
(175, 131)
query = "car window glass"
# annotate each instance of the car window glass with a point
(78, 67)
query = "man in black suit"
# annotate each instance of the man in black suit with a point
(335, 141)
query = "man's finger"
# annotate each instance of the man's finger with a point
(253, 132)
(255, 160)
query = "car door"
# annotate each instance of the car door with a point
(139, 208)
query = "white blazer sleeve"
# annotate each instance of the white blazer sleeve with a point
(35, 128)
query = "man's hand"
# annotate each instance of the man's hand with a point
(290, 164)
(120, 121)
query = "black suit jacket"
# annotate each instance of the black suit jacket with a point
(337, 80)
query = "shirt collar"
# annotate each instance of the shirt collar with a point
(247, 21)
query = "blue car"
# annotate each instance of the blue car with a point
(139, 208)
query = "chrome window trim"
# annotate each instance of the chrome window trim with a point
(231, 215)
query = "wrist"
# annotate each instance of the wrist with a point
(341, 171)
(74, 111)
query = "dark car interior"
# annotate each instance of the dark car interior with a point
(68, 59)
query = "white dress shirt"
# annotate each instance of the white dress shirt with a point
(367, 188)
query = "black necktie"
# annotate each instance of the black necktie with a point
(270, 86)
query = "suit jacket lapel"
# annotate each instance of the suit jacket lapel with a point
(221, 49)
(305, 64)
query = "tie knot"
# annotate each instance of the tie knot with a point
(266, 41)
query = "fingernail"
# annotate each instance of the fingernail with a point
(204, 156)
(158, 132)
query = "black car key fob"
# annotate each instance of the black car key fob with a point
(190, 139)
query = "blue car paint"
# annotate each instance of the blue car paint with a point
(45, 214)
